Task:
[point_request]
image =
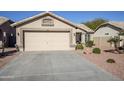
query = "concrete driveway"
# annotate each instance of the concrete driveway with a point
(52, 66)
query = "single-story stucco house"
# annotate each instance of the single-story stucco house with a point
(48, 32)
(7, 33)
(106, 31)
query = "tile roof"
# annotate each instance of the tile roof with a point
(85, 27)
(116, 24)
(3, 20)
(81, 26)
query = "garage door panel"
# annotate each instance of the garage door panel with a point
(44, 41)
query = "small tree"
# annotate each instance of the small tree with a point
(115, 40)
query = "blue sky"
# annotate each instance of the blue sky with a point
(74, 16)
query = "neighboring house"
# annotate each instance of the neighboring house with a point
(47, 32)
(106, 31)
(7, 33)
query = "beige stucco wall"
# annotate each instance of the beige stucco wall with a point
(37, 24)
(101, 32)
(91, 36)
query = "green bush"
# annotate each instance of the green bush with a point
(96, 50)
(110, 60)
(89, 43)
(79, 46)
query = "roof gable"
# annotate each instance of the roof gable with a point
(3, 20)
(52, 15)
(118, 25)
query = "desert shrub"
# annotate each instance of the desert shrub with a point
(96, 50)
(89, 43)
(110, 60)
(79, 46)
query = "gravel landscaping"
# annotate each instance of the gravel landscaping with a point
(116, 68)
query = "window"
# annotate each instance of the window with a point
(78, 37)
(47, 22)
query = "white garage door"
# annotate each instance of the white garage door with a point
(46, 41)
